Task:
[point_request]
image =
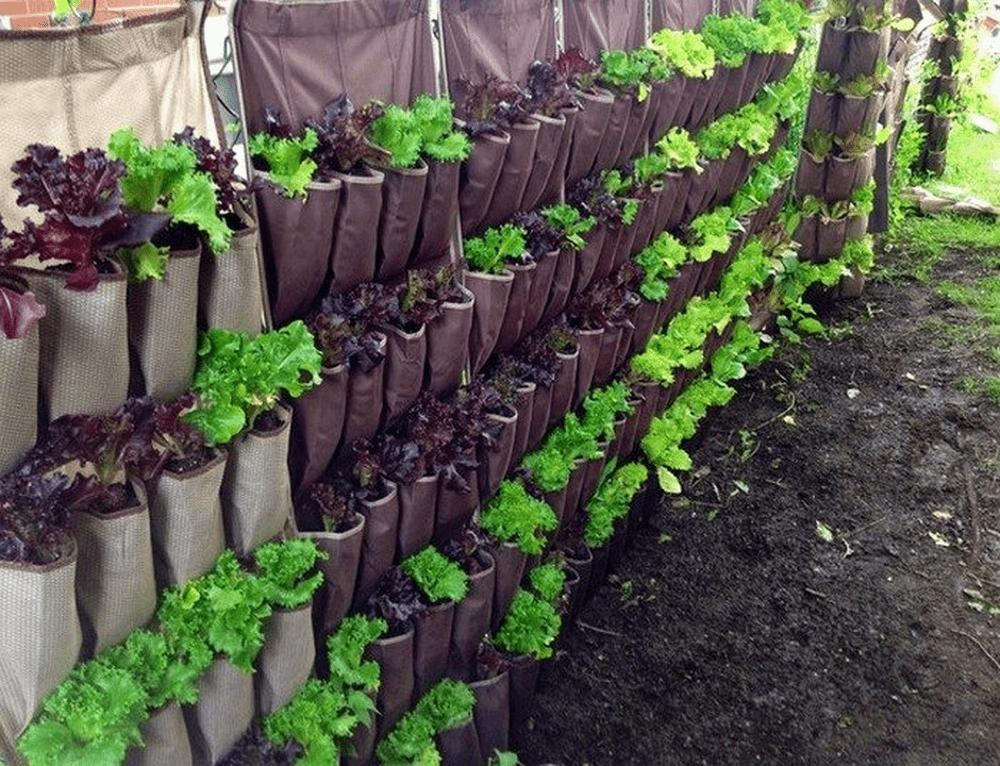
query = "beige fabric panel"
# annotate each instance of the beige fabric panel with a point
(72, 87)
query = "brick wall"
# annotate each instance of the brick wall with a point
(30, 14)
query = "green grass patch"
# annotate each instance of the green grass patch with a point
(973, 163)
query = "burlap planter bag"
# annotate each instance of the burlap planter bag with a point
(564, 385)
(115, 584)
(163, 326)
(471, 622)
(492, 292)
(517, 164)
(378, 543)
(256, 488)
(731, 94)
(185, 520)
(517, 306)
(588, 131)
(439, 213)
(402, 201)
(340, 574)
(550, 135)
(286, 661)
(166, 740)
(431, 641)
(448, 344)
(455, 507)
(524, 406)
(587, 257)
(624, 247)
(645, 220)
(510, 562)
(40, 635)
(492, 712)
(297, 235)
(539, 290)
(459, 745)
(864, 51)
(230, 292)
(405, 356)
(224, 710)
(18, 397)
(554, 185)
(417, 511)
(355, 234)
(364, 402)
(83, 343)
(668, 108)
(830, 238)
(494, 462)
(317, 423)
(557, 502)
(634, 136)
(833, 44)
(562, 284)
(856, 227)
(478, 178)
(690, 90)
(589, 342)
(705, 95)
(541, 406)
(845, 174)
(672, 217)
(394, 656)
(614, 132)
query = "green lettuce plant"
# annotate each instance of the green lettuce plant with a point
(438, 578)
(288, 159)
(512, 515)
(530, 627)
(491, 252)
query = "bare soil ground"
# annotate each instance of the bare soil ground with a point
(735, 634)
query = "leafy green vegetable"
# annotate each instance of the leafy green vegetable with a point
(512, 515)
(438, 577)
(659, 262)
(397, 132)
(283, 568)
(410, 743)
(446, 704)
(530, 627)
(238, 377)
(548, 581)
(495, 248)
(611, 501)
(684, 51)
(679, 150)
(571, 223)
(603, 406)
(164, 179)
(145, 261)
(288, 159)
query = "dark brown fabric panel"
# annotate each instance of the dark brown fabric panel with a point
(298, 55)
(680, 14)
(597, 25)
(497, 37)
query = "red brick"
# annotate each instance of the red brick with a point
(14, 8)
(30, 21)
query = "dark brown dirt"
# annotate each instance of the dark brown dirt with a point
(734, 634)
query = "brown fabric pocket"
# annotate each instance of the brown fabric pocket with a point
(587, 258)
(517, 165)
(340, 574)
(317, 424)
(517, 306)
(478, 178)
(459, 745)
(405, 356)
(562, 284)
(524, 404)
(166, 740)
(448, 344)
(18, 397)
(355, 235)
(564, 386)
(185, 519)
(83, 344)
(492, 292)
(40, 635)
(286, 660)
(492, 712)
(589, 342)
(493, 465)
(538, 293)
(402, 201)
(115, 584)
(510, 563)
(230, 294)
(395, 660)
(378, 547)
(554, 185)
(256, 488)
(431, 640)
(163, 326)
(614, 132)
(550, 136)
(439, 213)
(364, 402)
(224, 710)
(588, 131)
(417, 510)
(296, 234)
(471, 623)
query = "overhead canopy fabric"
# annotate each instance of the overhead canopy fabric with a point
(73, 87)
(298, 55)
(496, 37)
(597, 25)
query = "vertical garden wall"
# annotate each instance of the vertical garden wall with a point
(316, 466)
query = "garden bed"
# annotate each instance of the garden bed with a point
(734, 633)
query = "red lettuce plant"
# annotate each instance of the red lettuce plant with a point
(220, 164)
(548, 92)
(490, 105)
(344, 134)
(19, 310)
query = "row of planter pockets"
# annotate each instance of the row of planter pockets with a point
(93, 348)
(408, 517)
(502, 309)
(412, 662)
(379, 221)
(173, 539)
(106, 583)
